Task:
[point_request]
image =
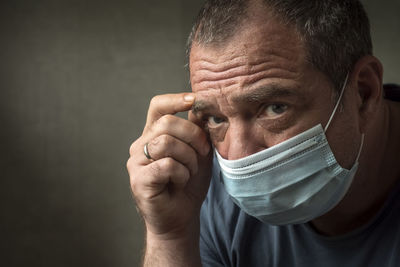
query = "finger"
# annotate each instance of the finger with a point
(196, 120)
(167, 146)
(155, 177)
(168, 104)
(181, 129)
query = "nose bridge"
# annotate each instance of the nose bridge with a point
(241, 141)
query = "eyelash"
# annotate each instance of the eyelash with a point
(206, 120)
(264, 108)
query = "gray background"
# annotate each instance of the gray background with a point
(75, 81)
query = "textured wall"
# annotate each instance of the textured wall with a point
(75, 81)
(385, 27)
(76, 78)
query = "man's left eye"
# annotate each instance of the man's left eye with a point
(275, 110)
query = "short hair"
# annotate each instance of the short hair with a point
(336, 33)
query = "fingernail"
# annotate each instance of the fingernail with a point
(189, 98)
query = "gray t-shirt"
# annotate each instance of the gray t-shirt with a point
(230, 237)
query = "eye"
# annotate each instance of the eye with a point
(214, 121)
(274, 110)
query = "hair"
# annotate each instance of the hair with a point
(336, 33)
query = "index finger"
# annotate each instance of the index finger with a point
(169, 104)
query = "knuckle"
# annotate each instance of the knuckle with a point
(139, 183)
(182, 175)
(154, 100)
(155, 167)
(165, 141)
(167, 164)
(166, 120)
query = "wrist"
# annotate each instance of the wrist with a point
(178, 233)
(176, 248)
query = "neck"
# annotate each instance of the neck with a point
(378, 172)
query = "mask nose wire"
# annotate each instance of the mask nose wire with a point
(337, 103)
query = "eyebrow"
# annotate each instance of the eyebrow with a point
(258, 95)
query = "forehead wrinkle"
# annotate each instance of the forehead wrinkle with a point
(205, 73)
(219, 65)
(245, 80)
(264, 93)
(249, 71)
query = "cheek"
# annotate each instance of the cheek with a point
(238, 142)
(344, 139)
(217, 135)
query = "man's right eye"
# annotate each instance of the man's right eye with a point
(213, 121)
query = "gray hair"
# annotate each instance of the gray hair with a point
(336, 32)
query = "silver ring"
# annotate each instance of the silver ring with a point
(146, 152)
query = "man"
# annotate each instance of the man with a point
(288, 100)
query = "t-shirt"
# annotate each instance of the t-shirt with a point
(230, 237)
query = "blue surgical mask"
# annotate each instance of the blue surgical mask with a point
(292, 182)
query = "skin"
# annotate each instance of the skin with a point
(170, 188)
(254, 92)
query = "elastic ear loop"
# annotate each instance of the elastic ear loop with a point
(333, 114)
(337, 103)
(361, 146)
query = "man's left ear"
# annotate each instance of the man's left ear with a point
(367, 78)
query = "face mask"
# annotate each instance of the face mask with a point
(292, 182)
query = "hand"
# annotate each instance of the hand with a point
(170, 188)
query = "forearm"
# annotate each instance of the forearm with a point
(177, 252)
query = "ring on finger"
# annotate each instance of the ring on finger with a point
(146, 151)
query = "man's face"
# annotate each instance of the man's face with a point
(258, 90)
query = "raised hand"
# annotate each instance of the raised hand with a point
(170, 187)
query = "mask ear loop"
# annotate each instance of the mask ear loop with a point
(337, 103)
(333, 114)
(361, 146)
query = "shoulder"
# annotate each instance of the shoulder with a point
(392, 92)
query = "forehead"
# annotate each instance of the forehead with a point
(262, 50)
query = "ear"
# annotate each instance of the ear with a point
(367, 78)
